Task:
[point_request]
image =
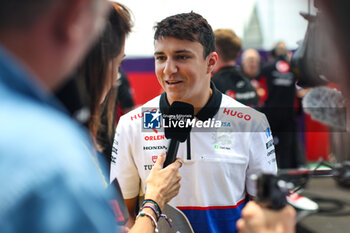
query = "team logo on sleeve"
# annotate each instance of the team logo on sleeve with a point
(268, 132)
(269, 144)
(152, 120)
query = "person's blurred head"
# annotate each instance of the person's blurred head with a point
(185, 57)
(228, 47)
(280, 50)
(99, 70)
(251, 63)
(50, 36)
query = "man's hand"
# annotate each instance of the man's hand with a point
(256, 219)
(163, 184)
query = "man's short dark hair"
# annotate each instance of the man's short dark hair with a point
(187, 26)
(228, 44)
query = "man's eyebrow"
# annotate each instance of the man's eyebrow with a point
(158, 53)
(176, 52)
(183, 51)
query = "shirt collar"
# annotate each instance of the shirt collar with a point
(208, 111)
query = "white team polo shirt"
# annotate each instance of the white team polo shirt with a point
(217, 162)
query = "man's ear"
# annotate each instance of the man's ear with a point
(69, 20)
(212, 60)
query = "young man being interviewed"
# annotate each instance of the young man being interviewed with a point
(218, 161)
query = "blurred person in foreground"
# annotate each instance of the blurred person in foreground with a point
(226, 76)
(279, 107)
(48, 181)
(256, 218)
(97, 75)
(251, 69)
(217, 163)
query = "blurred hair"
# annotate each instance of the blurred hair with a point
(280, 49)
(187, 26)
(94, 70)
(228, 44)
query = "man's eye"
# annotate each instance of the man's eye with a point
(182, 57)
(160, 58)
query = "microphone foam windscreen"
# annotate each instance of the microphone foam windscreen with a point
(176, 121)
(326, 105)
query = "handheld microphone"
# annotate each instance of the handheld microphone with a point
(176, 127)
(271, 192)
(327, 106)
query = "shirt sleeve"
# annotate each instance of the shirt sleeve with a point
(51, 183)
(123, 166)
(262, 157)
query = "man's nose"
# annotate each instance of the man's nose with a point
(170, 67)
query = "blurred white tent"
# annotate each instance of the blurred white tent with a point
(260, 23)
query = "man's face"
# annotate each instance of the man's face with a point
(251, 66)
(182, 70)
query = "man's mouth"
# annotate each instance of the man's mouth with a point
(173, 82)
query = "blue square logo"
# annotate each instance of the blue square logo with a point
(152, 120)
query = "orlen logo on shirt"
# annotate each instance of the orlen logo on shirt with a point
(154, 138)
(235, 113)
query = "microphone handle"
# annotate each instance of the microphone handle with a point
(173, 146)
